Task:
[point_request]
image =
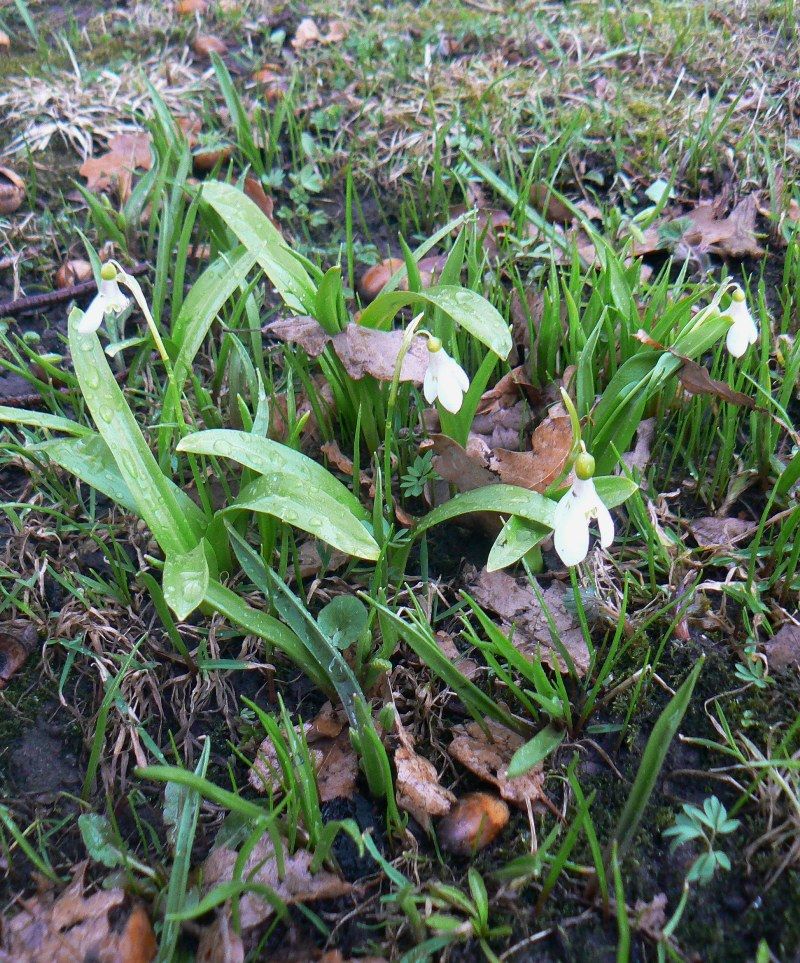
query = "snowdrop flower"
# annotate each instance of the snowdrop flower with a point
(576, 509)
(108, 300)
(445, 379)
(743, 332)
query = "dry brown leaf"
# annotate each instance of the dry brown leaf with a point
(651, 917)
(516, 604)
(475, 821)
(18, 639)
(697, 381)
(362, 351)
(126, 153)
(713, 532)
(337, 32)
(335, 761)
(219, 942)
(5, 42)
(466, 468)
(312, 562)
(12, 191)
(550, 207)
(104, 927)
(465, 666)
(506, 393)
(418, 789)
(297, 886)
(639, 456)
(731, 236)
(783, 649)
(537, 469)
(488, 756)
(501, 429)
(73, 272)
(307, 34)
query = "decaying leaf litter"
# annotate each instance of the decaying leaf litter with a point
(475, 662)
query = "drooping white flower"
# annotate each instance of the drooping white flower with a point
(445, 379)
(108, 300)
(744, 331)
(576, 510)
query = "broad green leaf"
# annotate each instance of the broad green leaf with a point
(185, 581)
(154, 494)
(614, 489)
(504, 499)
(40, 419)
(264, 241)
(90, 459)
(343, 620)
(266, 627)
(98, 838)
(203, 303)
(310, 509)
(536, 749)
(467, 308)
(515, 540)
(268, 458)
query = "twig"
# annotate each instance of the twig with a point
(35, 302)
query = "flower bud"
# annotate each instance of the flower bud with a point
(584, 466)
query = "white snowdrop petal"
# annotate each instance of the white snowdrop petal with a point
(571, 539)
(450, 395)
(93, 316)
(605, 523)
(429, 385)
(461, 377)
(737, 340)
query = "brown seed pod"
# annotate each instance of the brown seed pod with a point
(476, 820)
(12, 190)
(374, 280)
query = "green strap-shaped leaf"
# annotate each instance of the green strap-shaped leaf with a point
(185, 581)
(264, 241)
(269, 457)
(536, 749)
(89, 458)
(154, 494)
(517, 537)
(202, 305)
(504, 499)
(467, 308)
(310, 509)
(40, 419)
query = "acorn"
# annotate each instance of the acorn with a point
(376, 278)
(72, 272)
(205, 159)
(206, 44)
(476, 820)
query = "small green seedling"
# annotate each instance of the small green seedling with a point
(703, 824)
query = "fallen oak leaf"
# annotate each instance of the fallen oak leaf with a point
(487, 755)
(255, 191)
(297, 884)
(713, 532)
(362, 351)
(75, 271)
(306, 35)
(731, 236)
(517, 606)
(126, 153)
(418, 789)
(783, 649)
(697, 381)
(537, 469)
(105, 927)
